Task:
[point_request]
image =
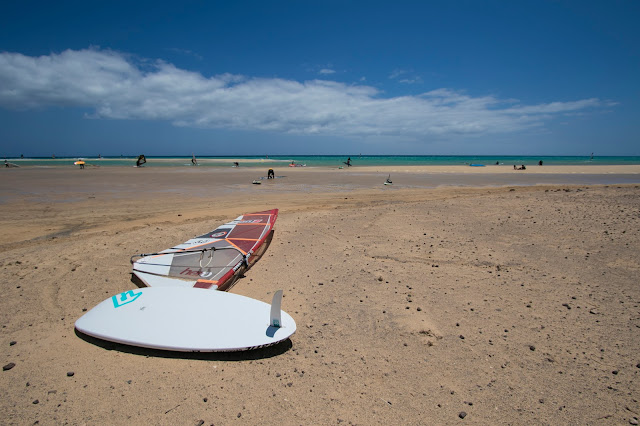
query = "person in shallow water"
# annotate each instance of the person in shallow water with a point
(141, 160)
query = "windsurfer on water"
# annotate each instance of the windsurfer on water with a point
(141, 160)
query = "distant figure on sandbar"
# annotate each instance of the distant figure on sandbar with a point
(540, 163)
(194, 162)
(271, 174)
(141, 160)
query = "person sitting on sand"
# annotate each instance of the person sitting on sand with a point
(523, 167)
(271, 174)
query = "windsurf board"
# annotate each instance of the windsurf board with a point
(188, 320)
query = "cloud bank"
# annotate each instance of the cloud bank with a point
(115, 86)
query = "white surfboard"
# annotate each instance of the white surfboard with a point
(188, 320)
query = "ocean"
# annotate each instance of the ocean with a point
(330, 160)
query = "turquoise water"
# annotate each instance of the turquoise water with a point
(332, 160)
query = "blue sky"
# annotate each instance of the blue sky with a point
(319, 77)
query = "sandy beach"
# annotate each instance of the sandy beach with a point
(456, 295)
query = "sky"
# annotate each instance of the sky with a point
(320, 77)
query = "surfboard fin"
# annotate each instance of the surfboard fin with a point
(276, 304)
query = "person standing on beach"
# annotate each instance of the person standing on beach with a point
(141, 160)
(270, 174)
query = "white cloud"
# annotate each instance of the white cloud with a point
(326, 71)
(113, 85)
(397, 73)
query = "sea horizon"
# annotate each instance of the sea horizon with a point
(326, 160)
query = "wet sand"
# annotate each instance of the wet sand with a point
(489, 298)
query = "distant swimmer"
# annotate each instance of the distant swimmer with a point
(141, 160)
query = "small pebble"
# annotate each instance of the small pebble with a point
(13, 342)
(532, 348)
(8, 366)
(633, 421)
(462, 414)
(35, 401)
(70, 373)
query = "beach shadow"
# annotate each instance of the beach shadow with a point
(248, 355)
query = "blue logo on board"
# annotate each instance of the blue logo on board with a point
(125, 298)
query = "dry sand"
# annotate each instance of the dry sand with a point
(415, 303)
